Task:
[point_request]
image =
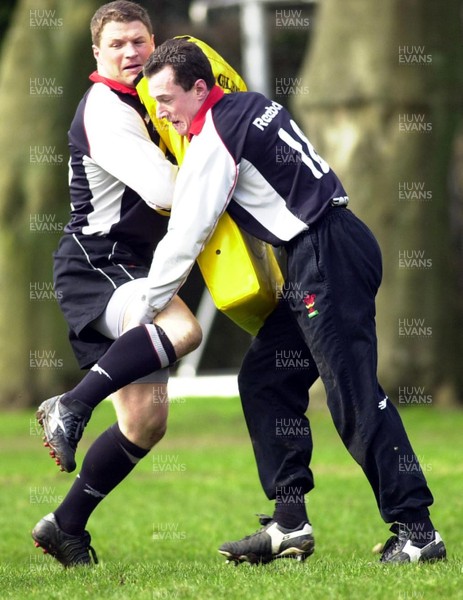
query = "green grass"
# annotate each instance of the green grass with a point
(157, 534)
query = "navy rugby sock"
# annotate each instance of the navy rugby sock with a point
(137, 353)
(108, 461)
(422, 532)
(290, 512)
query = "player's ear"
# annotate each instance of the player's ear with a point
(96, 51)
(201, 89)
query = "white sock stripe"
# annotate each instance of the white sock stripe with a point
(133, 459)
(157, 344)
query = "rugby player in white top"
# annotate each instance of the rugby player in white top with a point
(232, 164)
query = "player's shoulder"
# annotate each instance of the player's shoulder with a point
(239, 101)
(101, 95)
(242, 108)
(105, 107)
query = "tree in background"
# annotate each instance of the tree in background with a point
(383, 109)
(44, 68)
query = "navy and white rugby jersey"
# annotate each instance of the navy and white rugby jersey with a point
(247, 156)
(118, 176)
(282, 184)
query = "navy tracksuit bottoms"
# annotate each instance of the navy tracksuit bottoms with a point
(325, 326)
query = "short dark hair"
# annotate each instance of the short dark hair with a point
(187, 60)
(121, 11)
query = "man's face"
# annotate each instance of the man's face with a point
(173, 103)
(123, 50)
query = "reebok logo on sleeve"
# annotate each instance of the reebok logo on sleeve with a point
(268, 116)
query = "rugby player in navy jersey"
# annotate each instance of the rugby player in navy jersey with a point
(119, 179)
(232, 164)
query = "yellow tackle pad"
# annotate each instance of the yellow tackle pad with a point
(241, 274)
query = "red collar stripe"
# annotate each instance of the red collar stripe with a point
(197, 124)
(114, 85)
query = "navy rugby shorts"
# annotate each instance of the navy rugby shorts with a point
(87, 270)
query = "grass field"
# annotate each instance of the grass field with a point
(157, 534)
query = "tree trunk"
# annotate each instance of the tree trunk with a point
(382, 108)
(46, 57)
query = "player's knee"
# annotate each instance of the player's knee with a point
(143, 416)
(157, 432)
(194, 335)
(189, 338)
(153, 430)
